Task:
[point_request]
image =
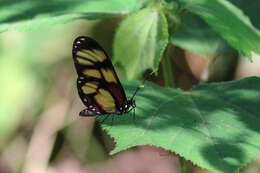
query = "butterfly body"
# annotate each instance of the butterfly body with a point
(92, 111)
(98, 85)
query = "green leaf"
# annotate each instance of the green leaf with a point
(216, 125)
(250, 8)
(140, 42)
(230, 22)
(30, 14)
(195, 35)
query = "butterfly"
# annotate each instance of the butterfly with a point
(98, 84)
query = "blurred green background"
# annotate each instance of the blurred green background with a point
(40, 130)
(39, 98)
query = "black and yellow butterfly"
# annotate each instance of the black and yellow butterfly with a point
(98, 85)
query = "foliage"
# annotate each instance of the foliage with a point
(214, 125)
(147, 29)
(229, 21)
(30, 14)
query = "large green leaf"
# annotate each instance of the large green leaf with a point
(216, 126)
(229, 21)
(29, 14)
(140, 41)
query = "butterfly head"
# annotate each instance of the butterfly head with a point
(128, 106)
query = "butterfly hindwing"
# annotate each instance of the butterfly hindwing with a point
(98, 85)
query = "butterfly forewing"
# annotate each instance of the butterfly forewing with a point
(98, 85)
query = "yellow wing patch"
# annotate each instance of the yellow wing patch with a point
(90, 87)
(84, 62)
(100, 55)
(83, 54)
(105, 100)
(93, 55)
(109, 75)
(93, 73)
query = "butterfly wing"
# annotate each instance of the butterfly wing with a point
(98, 85)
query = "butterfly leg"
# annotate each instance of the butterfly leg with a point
(104, 119)
(113, 117)
(134, 118)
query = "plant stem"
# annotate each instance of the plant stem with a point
(184, 168)
(167, 68)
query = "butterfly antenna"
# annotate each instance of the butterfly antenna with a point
(137, 89)
(142, 85)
